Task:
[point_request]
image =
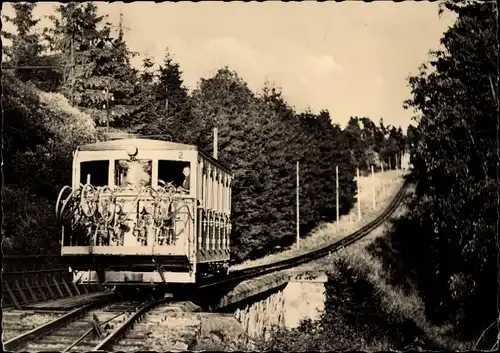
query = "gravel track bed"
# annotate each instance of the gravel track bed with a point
(62, 338)
(17, 322)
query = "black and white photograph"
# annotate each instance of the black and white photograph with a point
(250, 176)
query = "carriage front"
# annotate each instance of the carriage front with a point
(130, 215)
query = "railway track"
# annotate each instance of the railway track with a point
(38, 338)
(132, 325)
(125, 325)
(79, 330)
(17, 322)
(260, 270)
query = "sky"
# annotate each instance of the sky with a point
(351, 58)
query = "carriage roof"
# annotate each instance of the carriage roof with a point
(148, 144)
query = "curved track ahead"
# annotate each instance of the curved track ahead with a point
(315, 254)
(135, 313)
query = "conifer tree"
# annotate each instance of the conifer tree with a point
(168, 110)
(26, 47)
(88, 53)
(353, 140)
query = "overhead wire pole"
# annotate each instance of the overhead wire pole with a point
(73, 61)
(373, 187)
(298, 215)
(383, 185)
(337, 197)
(359, 202)
(216, 142)
(107, 96)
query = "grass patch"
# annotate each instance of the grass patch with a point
(386, 186)
(365, 309)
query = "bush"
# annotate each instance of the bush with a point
(355, 317)
(41, 130)
(29, 225)
(454, 220)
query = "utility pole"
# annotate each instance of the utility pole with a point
(216, 142)
(72, 78)
(373, 187)
(298, 216)
(383, 186)
(337, 198)
(107, 96)
(359, 202)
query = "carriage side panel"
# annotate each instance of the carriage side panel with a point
(213, 213)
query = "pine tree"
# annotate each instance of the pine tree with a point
(98, 71)
(124, 77)
(353, 140)
(372, 148)
(246, 142)
(26, 48)
(143, 98)
(324, 153)
(282, 142)
(169, 111)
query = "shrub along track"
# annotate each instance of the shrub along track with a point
(315, 254)
(83, 333)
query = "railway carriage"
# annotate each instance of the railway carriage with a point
(145, 212)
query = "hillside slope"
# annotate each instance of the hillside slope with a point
(365, 310)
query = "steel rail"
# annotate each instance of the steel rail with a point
(112, 338)
(34, 272)
(315, 254)
(107, 343)
(90, 330)
(43, 330)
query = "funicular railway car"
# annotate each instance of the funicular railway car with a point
(145, 212)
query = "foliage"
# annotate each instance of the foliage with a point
(370, 144)
(323, 153)
(355, 318)
(260, 136)
(226, 102)
(41, 130)
(27, 225)
(27, 47)
(164, 105)
(456, 208)
(94, 62)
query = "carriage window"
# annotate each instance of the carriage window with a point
(96, 172)
(174, 173)
(133, 173)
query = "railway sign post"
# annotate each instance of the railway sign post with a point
(298, 216)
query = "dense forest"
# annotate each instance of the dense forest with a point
(87, 81)
(445, 249)
(454, 218)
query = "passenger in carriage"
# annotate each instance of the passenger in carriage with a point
(175, 175)
(186, 184)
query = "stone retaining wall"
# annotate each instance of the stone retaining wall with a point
(302, 298)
